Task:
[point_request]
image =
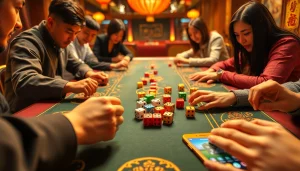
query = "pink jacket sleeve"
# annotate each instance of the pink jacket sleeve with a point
(284, 58)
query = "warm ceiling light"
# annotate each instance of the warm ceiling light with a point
(98, 16)
(150, 19)
(193, 14)
(149, 7)
(103, 3)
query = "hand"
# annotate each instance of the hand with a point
(270, 95)
(209, 76)
(212, 99)
(127, 58)
(121, 64)
(262, 145)
(118, 58)
(178, 60)
(100, 77)
(96, 119)
(87, 86)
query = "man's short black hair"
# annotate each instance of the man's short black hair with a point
(91, 23)
(68, 10)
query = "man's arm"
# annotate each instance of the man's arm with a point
(40, 143)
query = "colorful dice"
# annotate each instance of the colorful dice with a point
(190, 111)
(155, 102)
(148, 119)
(155, 72)
(159, 109)
(140, 103)
(166, 98)
(182, 95)
(149, 97)
(180, 87)
(139, 113)
(193, 89)
(141, 94)
(168, 118)
(146, 74)
(180, 103)
(144, 81)
(149, 108)
(168, 90)
(157, 119)
(169, 107)
(139, 84)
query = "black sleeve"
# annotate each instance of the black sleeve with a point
(93, 62)
(125, 51)
(98, 51)
(40, 143)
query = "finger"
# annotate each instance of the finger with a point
(209, 105)
(216, 166)
(265, 123)
(119, 110)
(234, 135)
(243, 126)
(113, 100)
(210, 81)
(254, 97)
(204, 78)
(94, 83)
(89, 88)
(197, 94)
(120, 120)
(203, 98)
(231, 147)
(86, 92)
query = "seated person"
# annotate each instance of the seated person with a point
(109, 47)
(38, 57)
(261, 145)
(81, 49)
(262, 51)
(207, 47)
(49, 142)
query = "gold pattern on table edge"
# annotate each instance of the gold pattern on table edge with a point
(148, 164)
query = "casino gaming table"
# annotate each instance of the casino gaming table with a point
(138, 148)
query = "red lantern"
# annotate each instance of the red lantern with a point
(103, 3)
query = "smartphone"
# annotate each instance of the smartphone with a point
(200, 145)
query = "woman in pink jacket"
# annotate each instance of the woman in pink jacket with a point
(262, 51)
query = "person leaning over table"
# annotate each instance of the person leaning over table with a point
(81, 49)
(262, 51)
(109, 47)
(207, 47)
(38, 57)
(48, 143)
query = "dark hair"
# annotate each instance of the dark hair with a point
(91, 23)
(265, 34)
(115, 26)
(199, 24)
(68, 10)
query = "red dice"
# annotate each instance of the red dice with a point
(146, 74)
(144, 81)
(148, 119)
(180, 103)
(159, 109)
(157, 119)
(155, 72)
(166, 98)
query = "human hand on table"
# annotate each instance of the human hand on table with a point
(87, 86)
(212, 99)
(270, 95)
(118, 58)
(209, 76)
(178, 60)
(262, 145)
(121, 64)
(100, 77)
(96, 119)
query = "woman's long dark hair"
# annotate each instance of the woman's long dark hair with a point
(265, 34)
(200, 25)
(115, 26)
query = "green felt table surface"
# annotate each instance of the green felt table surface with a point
(133, 141)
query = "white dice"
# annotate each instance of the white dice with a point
(155, 102)
(139, 113)
(140, 104)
